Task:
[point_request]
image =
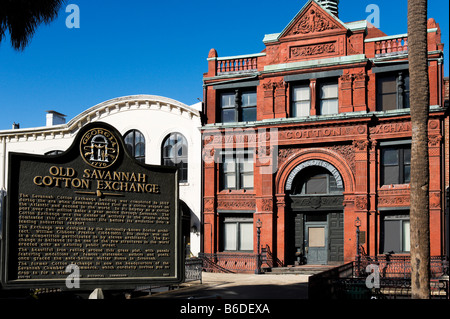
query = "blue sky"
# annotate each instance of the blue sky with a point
(152, 47)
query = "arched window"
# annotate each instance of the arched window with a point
(315, 180)
(135, 142)
(175, 153)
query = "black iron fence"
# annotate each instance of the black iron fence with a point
(395, 266)
(193, 269)
(389, 288)
(193, 272)
(383, 277)
(323, 285)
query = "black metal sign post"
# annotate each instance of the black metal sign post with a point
(2, 210)
(92, 217)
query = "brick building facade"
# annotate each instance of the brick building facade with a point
(312, 136)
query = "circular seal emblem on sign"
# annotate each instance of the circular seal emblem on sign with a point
(99, 148)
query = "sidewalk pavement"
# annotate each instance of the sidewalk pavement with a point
(242, 286)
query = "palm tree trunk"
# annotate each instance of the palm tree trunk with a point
(419, 209)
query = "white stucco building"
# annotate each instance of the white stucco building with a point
(157, 131)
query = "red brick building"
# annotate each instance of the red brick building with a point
(313, 135)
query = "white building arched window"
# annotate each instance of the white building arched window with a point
(175, 153)
(135, 142)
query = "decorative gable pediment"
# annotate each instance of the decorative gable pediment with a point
(311, 20)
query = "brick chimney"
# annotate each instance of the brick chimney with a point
(330, 5)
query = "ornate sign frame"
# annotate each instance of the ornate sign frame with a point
(92, 215)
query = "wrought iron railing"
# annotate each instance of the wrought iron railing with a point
(193, 269)
(399, 266)
(193, 272)
(230, 262)
(268, 259)
(349, 281)
(389, 288)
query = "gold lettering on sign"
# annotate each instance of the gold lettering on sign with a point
(66, 177)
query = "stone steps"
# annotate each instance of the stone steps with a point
(299, 270)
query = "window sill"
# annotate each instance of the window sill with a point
(183, 184)
(232, 124)
(394, 186)
(237, 191)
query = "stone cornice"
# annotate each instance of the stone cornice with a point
(121, 104)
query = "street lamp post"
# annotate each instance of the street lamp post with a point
(258, 238)
(358, 252)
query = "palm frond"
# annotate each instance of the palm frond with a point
(22, 17)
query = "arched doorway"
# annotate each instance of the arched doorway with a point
(315, 218)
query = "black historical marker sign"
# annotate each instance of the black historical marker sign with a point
(92, 214)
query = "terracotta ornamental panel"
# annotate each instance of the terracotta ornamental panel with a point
(236, 202)
(313, 20)
(346, 151)
(393, 197)
(305, 51)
